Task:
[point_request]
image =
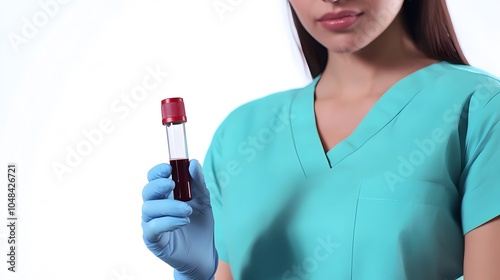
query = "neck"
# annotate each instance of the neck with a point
(361, 73)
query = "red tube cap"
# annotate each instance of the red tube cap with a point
(172, 110)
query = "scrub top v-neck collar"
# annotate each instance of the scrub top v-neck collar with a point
(305, 133)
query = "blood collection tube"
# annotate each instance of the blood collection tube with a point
(174, 118)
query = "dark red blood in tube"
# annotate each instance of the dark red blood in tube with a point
(180, 175)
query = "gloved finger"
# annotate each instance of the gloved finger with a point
(165, 207)
(199, 190)
(157, 189)
(162, 170)
(158, 247)
(153, 229)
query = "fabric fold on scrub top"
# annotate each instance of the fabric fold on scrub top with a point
(391, 201)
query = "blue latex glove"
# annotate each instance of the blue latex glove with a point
(180, 233)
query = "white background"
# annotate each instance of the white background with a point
(72, 73)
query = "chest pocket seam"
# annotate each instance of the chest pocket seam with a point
(399, 201)
(404, 226)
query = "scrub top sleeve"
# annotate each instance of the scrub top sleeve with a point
(211, 164)
(480, 181)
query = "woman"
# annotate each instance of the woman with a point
(383, 167)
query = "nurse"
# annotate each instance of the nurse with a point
(384, 167)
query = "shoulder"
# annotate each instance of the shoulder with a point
(258, 113)
(468, 80)
(467, 72)
(260, 108)
(246, 121)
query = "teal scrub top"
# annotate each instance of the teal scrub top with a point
(392, 201)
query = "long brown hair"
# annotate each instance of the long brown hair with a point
(428, 22)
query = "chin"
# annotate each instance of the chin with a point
(348, 43)
(344, 48)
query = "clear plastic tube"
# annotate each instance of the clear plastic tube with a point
(174, 118)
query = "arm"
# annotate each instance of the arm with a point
(223, 272)
(216, 161)
(480, 185)
(482, 252)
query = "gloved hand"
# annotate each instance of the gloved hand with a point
(180, 233)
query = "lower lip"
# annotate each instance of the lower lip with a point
(340, 23)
